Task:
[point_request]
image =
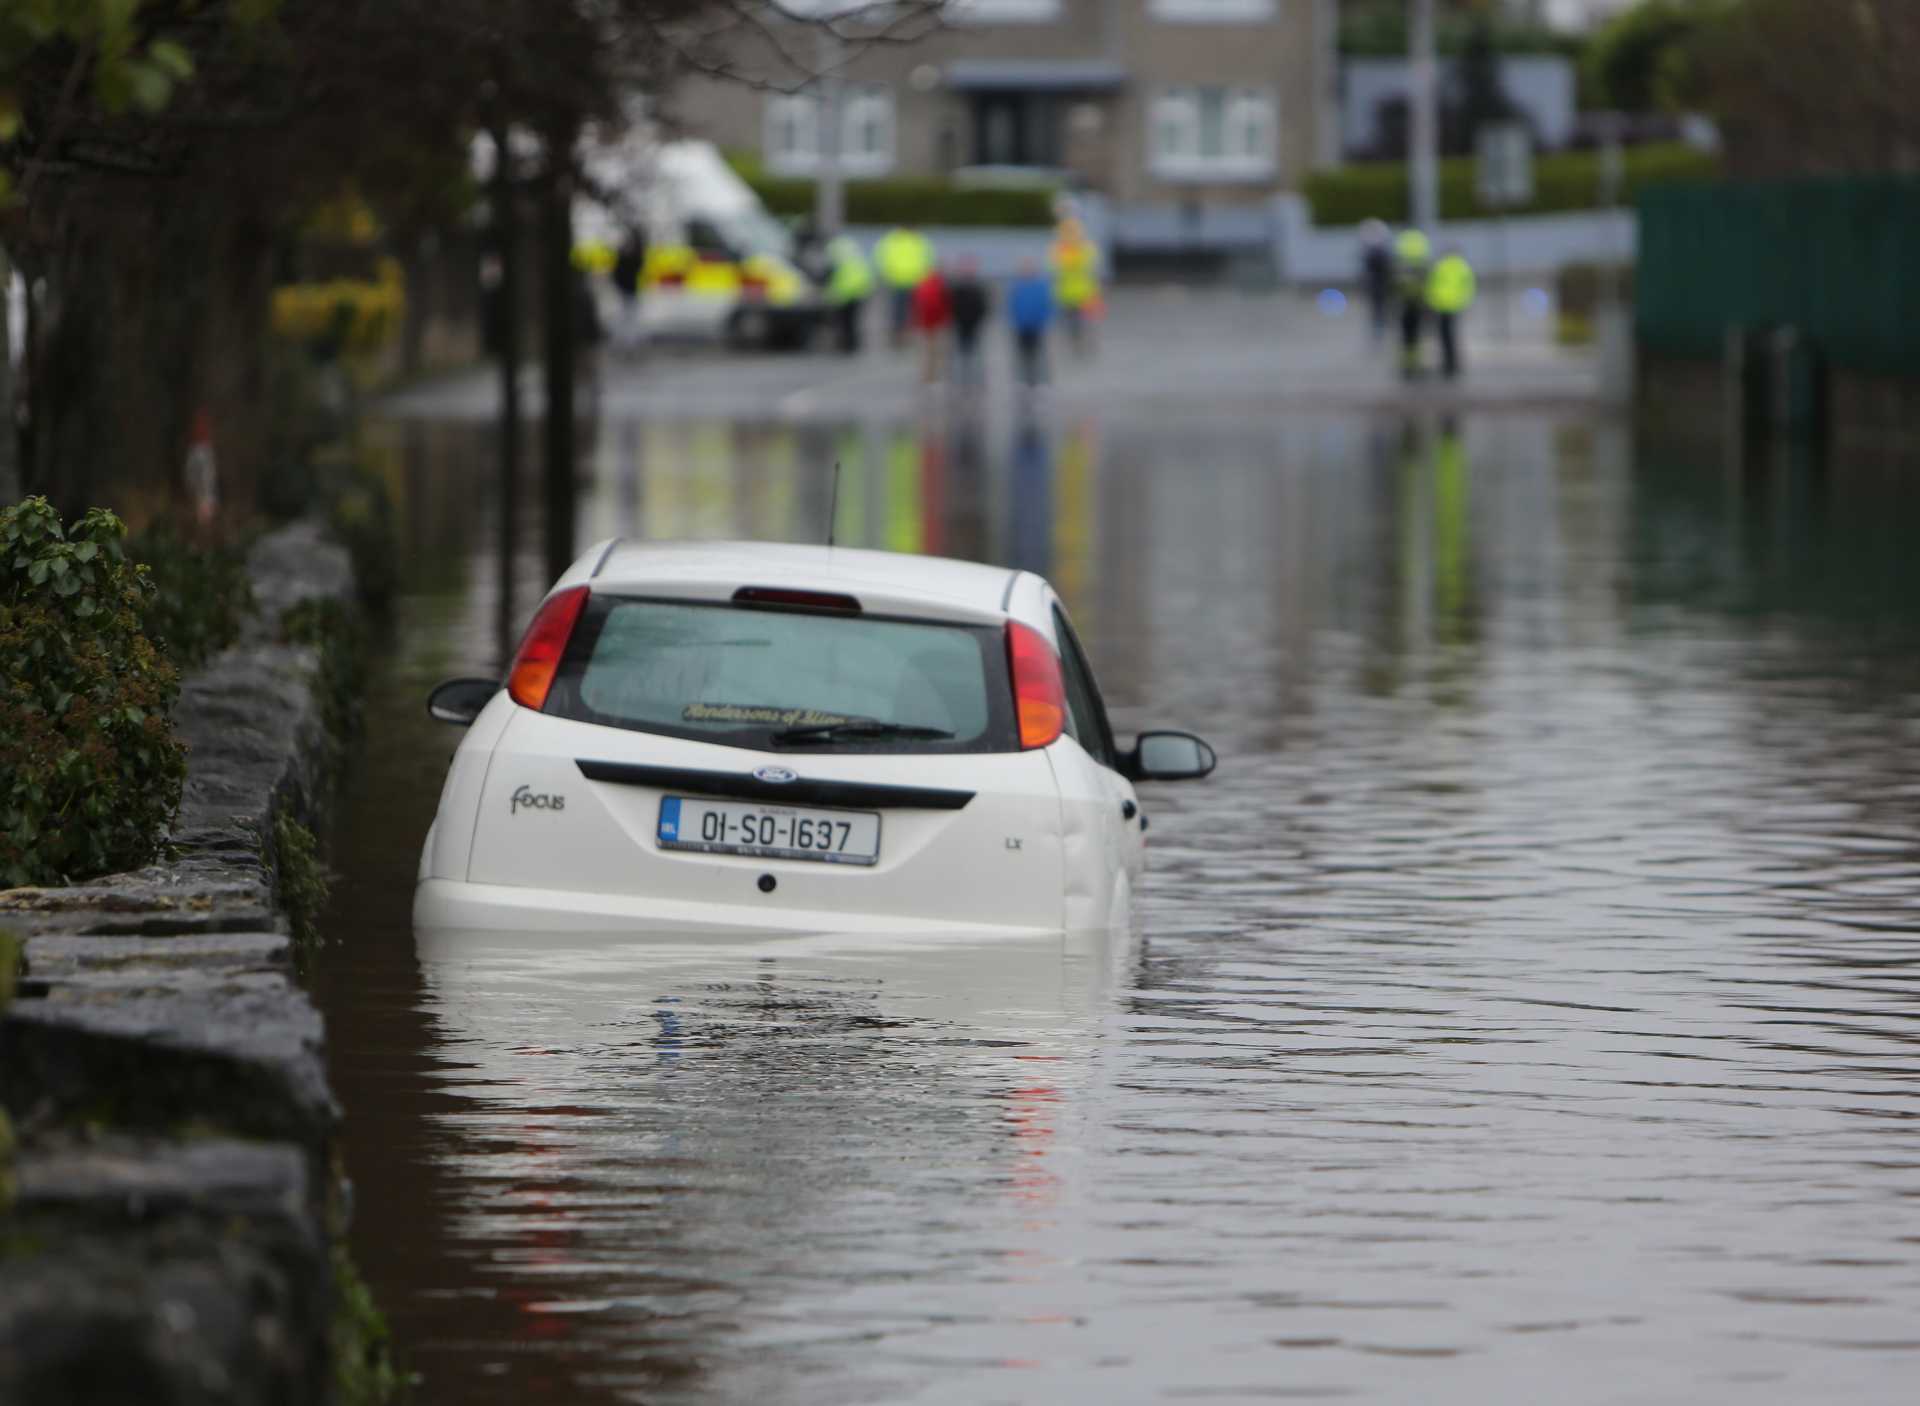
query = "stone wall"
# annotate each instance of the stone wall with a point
(170, 1228)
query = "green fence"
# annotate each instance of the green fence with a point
(1837, 259)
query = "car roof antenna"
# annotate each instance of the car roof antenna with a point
(833, 506)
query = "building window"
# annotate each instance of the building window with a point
(793, 130)
(792, 140)
(1002, 11)
(1212, 11)
(1213, 134)
(1016, 129)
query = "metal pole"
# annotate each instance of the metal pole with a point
(829, 192)
(1612, 169)
(1423, 102)
(1502, 325)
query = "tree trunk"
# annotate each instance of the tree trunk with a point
(506, 336)
(560, 318)
(9, 427)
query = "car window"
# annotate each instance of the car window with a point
(707, 239)
(1087, 714)
(739, 676)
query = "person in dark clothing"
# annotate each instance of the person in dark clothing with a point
(627, 268)
(971, 301)
(810, 251)
(1412, 260)
(1376, 272)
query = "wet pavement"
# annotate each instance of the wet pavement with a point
(1525, 1011)
(1162, 351)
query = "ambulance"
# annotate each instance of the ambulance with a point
(717, 266)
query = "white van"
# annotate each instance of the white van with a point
(717, 264)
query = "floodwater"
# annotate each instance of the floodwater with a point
(1526, 1011)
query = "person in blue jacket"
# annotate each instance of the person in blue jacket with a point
(1030, 310)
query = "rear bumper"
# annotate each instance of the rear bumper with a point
(452, 904)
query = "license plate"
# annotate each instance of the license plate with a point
(770, 832)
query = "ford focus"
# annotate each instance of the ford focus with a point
(729, 738)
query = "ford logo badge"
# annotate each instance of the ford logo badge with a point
(776, 775)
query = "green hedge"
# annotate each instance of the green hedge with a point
(202, 594)
(912, 202)
(90, 766)
(1563, 181)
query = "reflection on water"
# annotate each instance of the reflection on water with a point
(1526, 1010)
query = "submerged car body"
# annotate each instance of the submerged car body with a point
(711, 738)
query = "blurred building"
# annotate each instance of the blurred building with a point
(1185, 115)
(1374, 93)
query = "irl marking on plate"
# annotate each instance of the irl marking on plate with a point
(776, 775)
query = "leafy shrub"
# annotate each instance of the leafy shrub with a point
(1581, 287)
(6, 1167)
(202, 595)
(364, 1371)
(333, 629)
(345, 315)
(1579, 291)
(300, 878)
(1562, 181)
(360, 514)
(90, 769)
(13, 959)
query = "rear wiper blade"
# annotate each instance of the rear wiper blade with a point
(861, 727)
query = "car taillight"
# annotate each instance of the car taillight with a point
(538, 658)
(1039, 692)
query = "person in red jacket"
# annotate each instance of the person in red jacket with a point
(932, 314)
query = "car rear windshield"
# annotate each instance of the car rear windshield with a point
(785, 679)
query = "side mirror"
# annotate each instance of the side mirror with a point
(459, 701)
(1169, 756)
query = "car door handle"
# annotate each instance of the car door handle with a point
(1128, 810)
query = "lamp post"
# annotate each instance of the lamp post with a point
(829, 192)
(1423, 101)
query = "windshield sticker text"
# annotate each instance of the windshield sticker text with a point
(763, 716)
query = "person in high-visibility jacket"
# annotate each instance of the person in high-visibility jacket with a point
(905, 258)
(1075, 261)
(1412, 259)
(1451, 288)
(849, 285)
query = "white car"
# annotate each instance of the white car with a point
(744, 738)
